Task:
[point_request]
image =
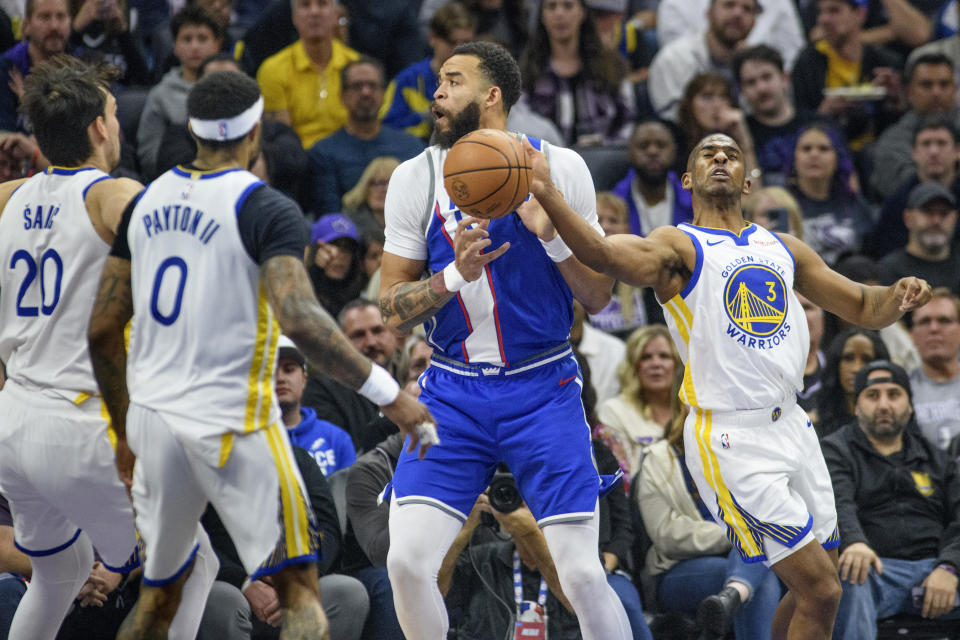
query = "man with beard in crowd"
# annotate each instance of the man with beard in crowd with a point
(652, 191)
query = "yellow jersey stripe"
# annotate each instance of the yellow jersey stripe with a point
(266, 376)
(683, 319)
(256, 365)
(111, 434)
(226, 446)
(671, 306)
(731, 515)
(295, 518)
(685, 310)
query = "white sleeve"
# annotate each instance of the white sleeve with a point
(573, 179)
(408, 197)
(677, 18)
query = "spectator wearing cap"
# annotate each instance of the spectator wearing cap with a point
(898, 509)
(337, 161)
(934, 150)
(840, 58)
(930, 218)
(936, 382)
(334, 262)
(329, 445)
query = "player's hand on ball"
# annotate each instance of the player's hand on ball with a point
(913, 293)
(535, 219)
(414, 419)
(468, 245)
(540, 180)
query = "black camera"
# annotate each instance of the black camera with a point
(504, 496)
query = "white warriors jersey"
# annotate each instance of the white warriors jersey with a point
(204, 339)
(740, 330)
(51, 259)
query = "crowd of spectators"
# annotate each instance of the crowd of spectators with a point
(847, 114)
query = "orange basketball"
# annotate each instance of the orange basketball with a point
(486, 173)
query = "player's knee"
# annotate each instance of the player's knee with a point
(581, 579)
(405, 567)
(823, 594)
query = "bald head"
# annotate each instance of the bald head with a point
(712, 141)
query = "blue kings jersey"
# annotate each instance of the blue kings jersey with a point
(204, 339)
(52, 258)
(739, 328)
(521, 306)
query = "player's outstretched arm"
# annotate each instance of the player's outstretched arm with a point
(108, 352)
(318, 337)
(865, 306)
(664, 260)
(406, 300)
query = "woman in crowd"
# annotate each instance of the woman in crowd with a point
(708, 106)
(364, 203)
(820, 175)
(848, 352)
(571, 79)
(691, 558)
(773, 208)
(646, 404)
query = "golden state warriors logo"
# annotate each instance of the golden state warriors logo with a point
(756, 300)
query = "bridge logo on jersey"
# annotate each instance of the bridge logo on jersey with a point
(755, 299)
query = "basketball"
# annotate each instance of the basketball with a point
(486, 173)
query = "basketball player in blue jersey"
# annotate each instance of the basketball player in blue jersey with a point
(56, 461)
(208, 262)
(503, 383)
(727, 288)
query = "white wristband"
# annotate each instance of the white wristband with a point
(453, 280)
(380, 387)
(557, 250)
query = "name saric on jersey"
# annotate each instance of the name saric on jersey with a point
(40, 216)
(182, 218)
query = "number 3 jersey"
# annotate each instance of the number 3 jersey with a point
(203, 339)
(52, 259)
(740, 330)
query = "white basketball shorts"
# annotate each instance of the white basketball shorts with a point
(58, 471)
(762, 475)
(256, 490)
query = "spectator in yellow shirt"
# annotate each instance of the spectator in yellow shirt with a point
(301, 83)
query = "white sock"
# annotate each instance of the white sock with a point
(55, 583)
(420, 535)
(575, 550)
(186, 622)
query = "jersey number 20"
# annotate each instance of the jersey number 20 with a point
(49, 256)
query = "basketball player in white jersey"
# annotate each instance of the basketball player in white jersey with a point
(727, 287)
(208, 262)
(56, 462)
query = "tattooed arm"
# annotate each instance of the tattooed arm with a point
(304, 321)
(406, 300)
(108, 353)
(318, 337)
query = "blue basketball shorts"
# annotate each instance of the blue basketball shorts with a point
(533, 420)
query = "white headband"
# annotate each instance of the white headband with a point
(228, 128)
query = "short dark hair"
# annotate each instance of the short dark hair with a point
(194, 15)
(220, 56)
(220, 95)
(356, 303)
(758, 53)
(934, 122)
(498, 68)
(927, 58)
(373, 62)
(449, 17)
(61, 98)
